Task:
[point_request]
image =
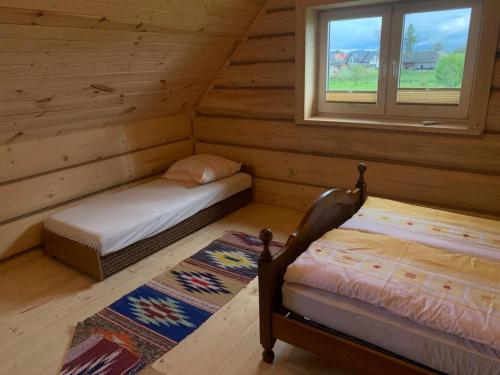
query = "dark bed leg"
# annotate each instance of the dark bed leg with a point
(268, 355)
(266, 294)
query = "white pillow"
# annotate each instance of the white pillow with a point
(201, 169)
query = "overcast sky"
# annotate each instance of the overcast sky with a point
(448, 27)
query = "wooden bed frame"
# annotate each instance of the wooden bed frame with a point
(89, 261)
(330, 210)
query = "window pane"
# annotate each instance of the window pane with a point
(432, 56)
(353, 60)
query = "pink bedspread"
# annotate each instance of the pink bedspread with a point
(448, 291)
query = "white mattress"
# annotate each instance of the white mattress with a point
(112, 222)
(441, 351)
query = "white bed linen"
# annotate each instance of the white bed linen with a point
(444, 352)
(112, 222)
(455, 232)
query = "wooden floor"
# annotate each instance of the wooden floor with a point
(41, 300)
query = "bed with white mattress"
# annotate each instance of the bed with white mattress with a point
(382, 287)
(438, 350)
(109, 232)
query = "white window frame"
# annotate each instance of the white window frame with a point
(401, 117)
(343, 14)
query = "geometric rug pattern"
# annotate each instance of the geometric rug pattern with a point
(141, 326)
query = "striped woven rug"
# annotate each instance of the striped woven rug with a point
(137, 329)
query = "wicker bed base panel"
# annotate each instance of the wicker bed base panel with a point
(99, 267)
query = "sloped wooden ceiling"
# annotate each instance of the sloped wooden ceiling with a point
(96, 95)
(248, 116)
(82, 63)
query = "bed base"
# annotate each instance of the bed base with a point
(342, 349)
(331, 209)
(89, 261)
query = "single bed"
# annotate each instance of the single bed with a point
(315, 292)
(108, 233)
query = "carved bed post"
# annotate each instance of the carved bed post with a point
(361, 183)
(266, 296)
(330, 210)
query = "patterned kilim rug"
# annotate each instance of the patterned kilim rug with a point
(137, 329)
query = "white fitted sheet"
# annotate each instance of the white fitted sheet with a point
(444, 352)
(112, 222)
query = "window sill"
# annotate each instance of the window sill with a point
(390, 124)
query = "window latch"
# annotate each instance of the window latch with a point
(431, 122)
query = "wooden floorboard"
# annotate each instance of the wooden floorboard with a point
(41, 301)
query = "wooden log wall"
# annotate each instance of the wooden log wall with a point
(97, 95)
(248, 115)
(83, 63)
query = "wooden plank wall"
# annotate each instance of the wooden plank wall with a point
(78, 64)
(248, 115)
(96, 95)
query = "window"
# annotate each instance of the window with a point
(432, 56)
(403, 62)
(351, 74)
